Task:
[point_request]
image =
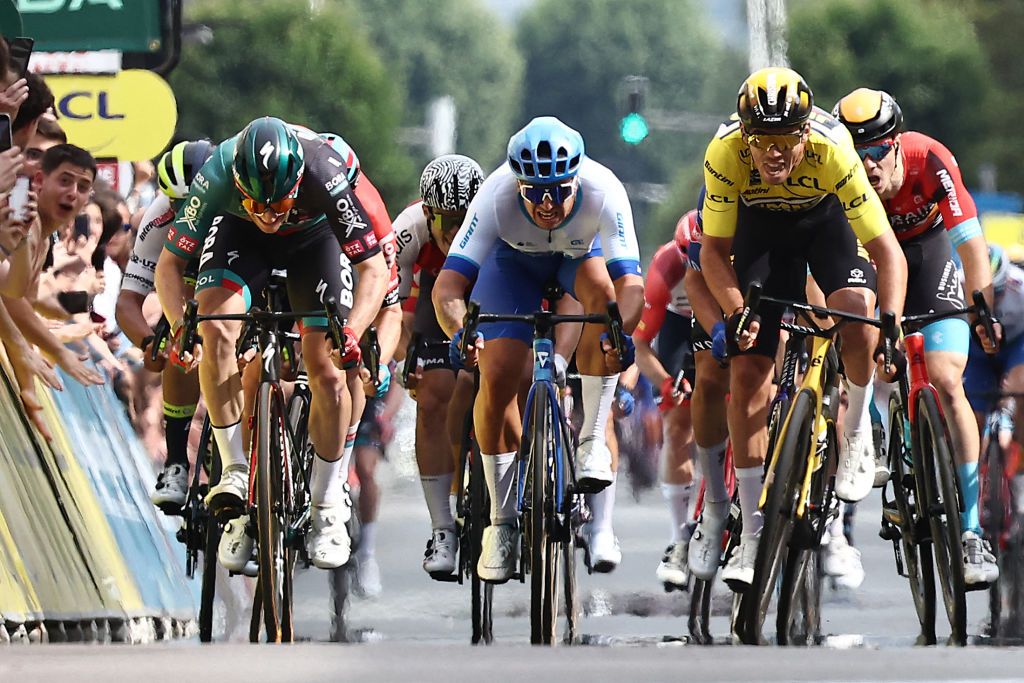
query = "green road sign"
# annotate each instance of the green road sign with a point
(70, 25)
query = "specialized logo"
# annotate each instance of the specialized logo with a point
(268, 357)
(950, 188)
(265, 152)
(232, 255)
(350, 215)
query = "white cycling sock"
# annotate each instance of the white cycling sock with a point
(230, 447)
(712, 464)
(858, 417)
(436, 489)
(598, 394)
(748, 481)
(602, 505)
(327, 484)
(835, 529)
(367, 540)
(350, 447)
(880, 393)
(500, 474)
(678, 497)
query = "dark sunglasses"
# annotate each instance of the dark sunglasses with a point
(559, 193)
(877, 151)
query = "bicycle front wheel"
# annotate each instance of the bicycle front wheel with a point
(779, 512)
(544, 555)
(275, 555)
(211, 538)
(942, 495)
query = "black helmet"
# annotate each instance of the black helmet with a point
(869, 115)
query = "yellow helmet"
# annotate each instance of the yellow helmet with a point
(869, 115)
(774, 98)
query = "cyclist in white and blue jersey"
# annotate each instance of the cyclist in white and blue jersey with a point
(549, 214)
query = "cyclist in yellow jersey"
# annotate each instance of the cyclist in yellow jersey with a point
(784, 188)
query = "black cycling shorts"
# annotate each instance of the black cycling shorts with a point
(777, 248)
(932, 280)
(369, 431)
(673, 342)
(700, 340)
(425, 318)
(239, 257)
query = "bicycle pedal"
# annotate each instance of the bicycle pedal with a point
(172, 509)
(444, 577)
(971, 587)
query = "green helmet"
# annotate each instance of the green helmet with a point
(268, 162)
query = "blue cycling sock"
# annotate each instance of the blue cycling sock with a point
(969, 484)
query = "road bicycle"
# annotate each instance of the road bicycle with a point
(549, 503)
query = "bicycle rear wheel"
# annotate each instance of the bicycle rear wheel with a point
(779, 512)
(995, 495)
(211, 539)
(272, 487)
(942, 493)
(477, 516)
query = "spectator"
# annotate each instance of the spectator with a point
(35, 106)
(48, 133)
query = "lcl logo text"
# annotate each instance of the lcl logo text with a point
(83, 105)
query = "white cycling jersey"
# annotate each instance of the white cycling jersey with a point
(602, 211)
(139, 275)
(411, 234)
(1010, 304)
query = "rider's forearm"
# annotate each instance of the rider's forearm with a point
(389, 331)
(629, 293)
(977, 271)
(369, 292)
(170, 286)
(648, 362)
(128, 313)
(891, 265)
(702, 301)
(719, 274)
(449, 300)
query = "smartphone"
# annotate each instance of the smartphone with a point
(18, 198)
(21, 51)
(5, 132)
(81, 226)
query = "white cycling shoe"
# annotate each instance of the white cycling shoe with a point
(499, 553)
(705, 553)
(171, 488)
(230, 493)
(739, 572)
(841, 561)
(442, 549)
(855, 474)
(593, 466)
(673, 572)
(329, 545)
(979, 562)
(234, 551)
(368, 582)
(605, 554)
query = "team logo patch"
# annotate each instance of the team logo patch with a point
(353, 249)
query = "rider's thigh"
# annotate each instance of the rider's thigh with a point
(592, 284)
(750, 378)
(501, 365)
(433, 391)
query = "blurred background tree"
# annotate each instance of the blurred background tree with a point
(289, 59)
(925, 53)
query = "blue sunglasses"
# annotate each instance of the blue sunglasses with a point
(538, 194)
(876, 152)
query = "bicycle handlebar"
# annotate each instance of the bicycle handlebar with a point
(160, 334)
(370, 348)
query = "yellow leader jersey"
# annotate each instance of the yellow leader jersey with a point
(830, 166)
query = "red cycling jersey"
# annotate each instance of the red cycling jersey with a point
(933, 193)
(373, 204)
(663, 291)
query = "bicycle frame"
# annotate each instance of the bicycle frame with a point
(917, 375)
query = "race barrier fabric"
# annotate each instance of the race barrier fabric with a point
(79, 539)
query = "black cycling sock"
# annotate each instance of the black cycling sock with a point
(177, 421)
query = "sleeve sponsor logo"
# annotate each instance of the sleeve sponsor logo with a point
(349, 215)
(847, 178)
(190, 212)
(855, 202)
(338, 181)
(719, 198)
(172, 234)
(717, 174)
(354, 248)
(620, 228)
(469, 233)
(201, 181)
(950, 188)
(371, 240)
(806, 182)
(186, 244)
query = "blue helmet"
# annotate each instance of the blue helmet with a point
(545, 151)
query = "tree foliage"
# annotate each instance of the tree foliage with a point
(925, 53)
(579, 51)
(289, 60)
(457, 48)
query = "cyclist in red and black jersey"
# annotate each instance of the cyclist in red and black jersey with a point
(662, 341)
(930, 210)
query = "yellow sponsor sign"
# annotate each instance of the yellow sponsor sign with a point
(130, 115)
(1006, 230)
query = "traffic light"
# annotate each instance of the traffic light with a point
(633, 128)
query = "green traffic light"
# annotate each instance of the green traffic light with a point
(634, 128)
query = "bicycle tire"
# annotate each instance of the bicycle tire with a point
(207, 592)
(477, 517)
(570, 518)
(273, 551)
(543, 563)
(779, 510)
(995, 495)
(295, 478)
(700, 608)
(915, 535)
(942, 494)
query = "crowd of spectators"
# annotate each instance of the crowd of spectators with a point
(62, 254)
